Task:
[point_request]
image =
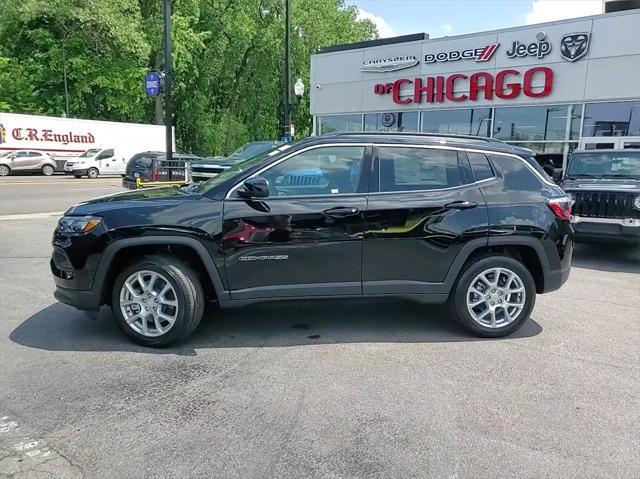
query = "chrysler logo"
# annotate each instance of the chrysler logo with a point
(389, 64)
(574, 46)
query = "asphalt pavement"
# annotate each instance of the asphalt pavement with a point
(323, 389)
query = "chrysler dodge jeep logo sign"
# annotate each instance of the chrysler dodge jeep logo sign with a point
(574, 46)
(388, 64)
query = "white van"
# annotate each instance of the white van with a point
(97, 161)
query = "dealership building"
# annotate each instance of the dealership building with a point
(552, 87)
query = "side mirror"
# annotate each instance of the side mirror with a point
(557, 176)
(256, 187)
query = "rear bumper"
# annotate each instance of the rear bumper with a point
(606, 229)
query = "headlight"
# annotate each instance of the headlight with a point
(78, 224)
(636, 202)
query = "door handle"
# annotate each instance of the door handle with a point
(341, 212)
(461, 205)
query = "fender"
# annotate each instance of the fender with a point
(467, 250)
(197, 246)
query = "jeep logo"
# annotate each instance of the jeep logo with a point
(536, 49)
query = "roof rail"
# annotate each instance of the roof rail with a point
(413, 133)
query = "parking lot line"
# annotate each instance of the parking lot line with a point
(28, 216)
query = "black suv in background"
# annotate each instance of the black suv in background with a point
(605, 185)
(347, 215)
(151, 168)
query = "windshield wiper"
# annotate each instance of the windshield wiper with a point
(574, 176)
(633, 177)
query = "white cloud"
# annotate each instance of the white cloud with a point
(384, 30)
(550, 10)
(446, 28)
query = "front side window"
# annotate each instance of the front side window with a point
(89, 153)
(411, 169)
(22, 154)
(105, 154)
(321, 171)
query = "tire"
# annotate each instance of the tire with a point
(187, 290)
(77, 176)
(92, 173)
(5, 170)
(47, 170)
(501, 322)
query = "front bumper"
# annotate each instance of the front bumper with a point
(611, 229)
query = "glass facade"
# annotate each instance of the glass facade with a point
(612, 119)
(391, 121)
(469, 121)
(552, 131)
(339, 123)
(537, 123)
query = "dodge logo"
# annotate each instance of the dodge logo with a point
(574, 46)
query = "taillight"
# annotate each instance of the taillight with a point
(561, 207)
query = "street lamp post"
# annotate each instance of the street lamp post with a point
(167, 80)
(287, 72)
(298, 89)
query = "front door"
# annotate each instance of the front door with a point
(423, 207)
(107, 163)
(24, 160)
(305, 239)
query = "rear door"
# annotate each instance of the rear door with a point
(305, 239)
(423, 208)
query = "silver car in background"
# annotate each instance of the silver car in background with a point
(26, 161)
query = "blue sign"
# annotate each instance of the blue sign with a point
(152, 84)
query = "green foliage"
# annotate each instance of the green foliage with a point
(227, 61)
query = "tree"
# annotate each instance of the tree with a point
(228, 62)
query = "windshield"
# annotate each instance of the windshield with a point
(5, 153)
(605, 164)
(239, 168)
(252, 149)
(89, 153)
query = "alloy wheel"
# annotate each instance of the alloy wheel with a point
(148, 303)
(496, 297)
(4, 170)
(47, 170)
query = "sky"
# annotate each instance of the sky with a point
(441, 18)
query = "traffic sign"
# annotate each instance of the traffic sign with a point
(152, 84)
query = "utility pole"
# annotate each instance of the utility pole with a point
(287, 71)
(64, 75)
(167, 79)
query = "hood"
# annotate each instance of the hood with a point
(160, 197)
(606, 184)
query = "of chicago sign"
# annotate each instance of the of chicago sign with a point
(507, 84)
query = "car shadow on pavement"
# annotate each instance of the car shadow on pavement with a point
(614, 258)
(276, 324)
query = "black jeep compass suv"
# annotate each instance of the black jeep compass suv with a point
(345, 215)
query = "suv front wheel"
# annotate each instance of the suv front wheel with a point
(157, 300)
(494, 296)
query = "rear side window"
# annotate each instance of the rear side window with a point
(517, 176)
(410, 169)
(480, 165)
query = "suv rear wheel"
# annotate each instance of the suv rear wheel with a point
(157, 300)
(494, 296)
